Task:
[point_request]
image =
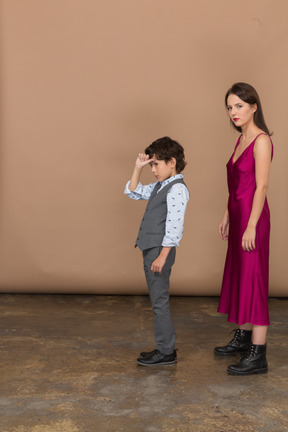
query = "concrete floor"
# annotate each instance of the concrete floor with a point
(68, 365)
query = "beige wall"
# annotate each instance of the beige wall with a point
(85, 86)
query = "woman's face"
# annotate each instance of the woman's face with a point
(241, 113)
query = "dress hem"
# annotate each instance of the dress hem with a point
(234, 321)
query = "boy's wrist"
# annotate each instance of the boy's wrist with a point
(138, 169)
(165, 251)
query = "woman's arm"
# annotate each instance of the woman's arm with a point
(262, 154)
(224, 226)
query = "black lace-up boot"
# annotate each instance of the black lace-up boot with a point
(253, 362)
(241, 342)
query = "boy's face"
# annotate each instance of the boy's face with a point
(163, 170)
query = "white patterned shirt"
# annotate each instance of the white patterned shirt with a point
(177, 199)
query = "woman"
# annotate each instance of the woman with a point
(246, 225)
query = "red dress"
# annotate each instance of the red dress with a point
(244, 294)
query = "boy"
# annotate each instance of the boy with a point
(160, 232)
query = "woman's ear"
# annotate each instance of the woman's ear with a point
(254, 107)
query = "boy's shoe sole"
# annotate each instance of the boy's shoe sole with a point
(157, 364)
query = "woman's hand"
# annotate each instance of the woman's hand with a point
(248, 239)
(224, 228)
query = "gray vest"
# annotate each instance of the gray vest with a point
(152, 228)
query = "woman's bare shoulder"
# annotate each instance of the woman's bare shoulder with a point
(263, 143)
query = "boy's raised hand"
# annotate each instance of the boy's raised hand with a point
(142, 160)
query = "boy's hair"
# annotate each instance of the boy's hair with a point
(165, 149)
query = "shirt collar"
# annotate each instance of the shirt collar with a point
(170, 179)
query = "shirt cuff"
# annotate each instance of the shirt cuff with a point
(169, 243)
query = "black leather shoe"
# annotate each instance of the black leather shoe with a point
(239, 344)
(253, 362)
(147, 353)
(158, 359)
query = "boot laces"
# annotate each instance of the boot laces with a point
(236, 335)
(250, 353)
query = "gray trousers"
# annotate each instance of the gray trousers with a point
(158, 286)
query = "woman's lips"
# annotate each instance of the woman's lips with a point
(235, 119)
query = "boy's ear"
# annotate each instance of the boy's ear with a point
(173, 162)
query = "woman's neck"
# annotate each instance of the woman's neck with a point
(249, 131)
